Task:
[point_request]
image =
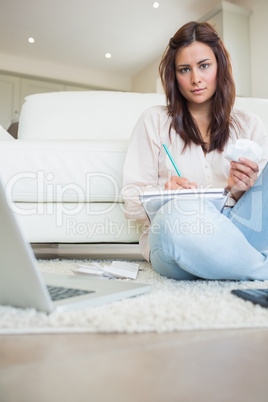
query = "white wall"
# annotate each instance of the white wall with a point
(258, 44)
(49, 70)
(145, 81)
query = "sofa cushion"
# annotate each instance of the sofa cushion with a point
(4, 135)
(83, 115)
(63, 171)
(257, 106)
(76, 223)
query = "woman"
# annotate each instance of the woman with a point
(197, 125)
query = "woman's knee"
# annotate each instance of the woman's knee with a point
(166, 265)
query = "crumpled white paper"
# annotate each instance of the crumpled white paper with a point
(244, 148)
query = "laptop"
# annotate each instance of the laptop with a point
(23, 285)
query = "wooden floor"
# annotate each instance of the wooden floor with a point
(203, 366)
(94, 251)
(196, 366)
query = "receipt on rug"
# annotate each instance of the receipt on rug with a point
(244, 148)
(117, 269)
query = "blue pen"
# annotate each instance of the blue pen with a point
(171, 159)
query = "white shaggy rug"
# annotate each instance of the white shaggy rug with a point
(170, 306)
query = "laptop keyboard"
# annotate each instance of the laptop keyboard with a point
(256, 296)
(59, 292)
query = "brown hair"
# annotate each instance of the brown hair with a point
(224, 96)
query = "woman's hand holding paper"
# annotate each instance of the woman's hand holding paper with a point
(243, 175)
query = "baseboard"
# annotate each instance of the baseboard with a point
(94, 251)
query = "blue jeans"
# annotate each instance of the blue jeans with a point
(192, 239)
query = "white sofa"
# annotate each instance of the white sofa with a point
(64, 172)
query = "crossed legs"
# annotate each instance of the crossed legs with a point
(192, 239)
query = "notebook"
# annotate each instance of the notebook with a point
(153, 201)
(23, 285)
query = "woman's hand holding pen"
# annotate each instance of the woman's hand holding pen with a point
(242, 177)
(176, 183)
